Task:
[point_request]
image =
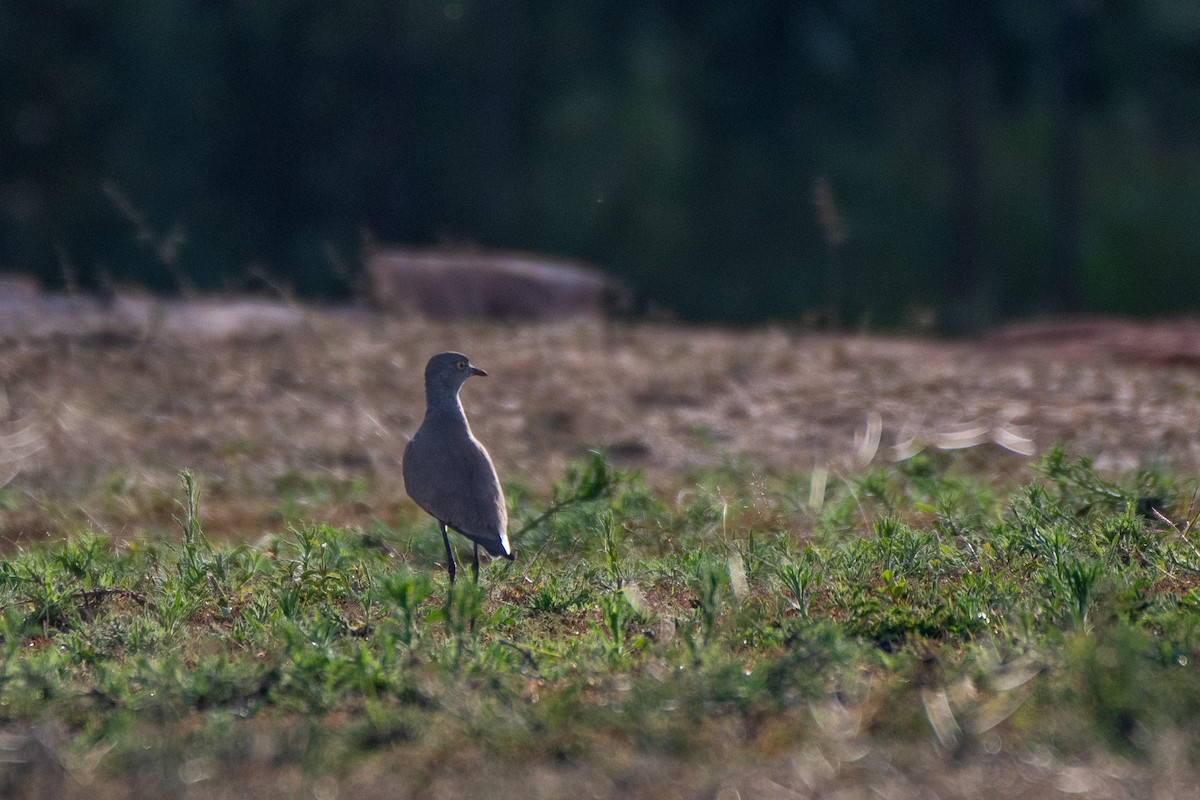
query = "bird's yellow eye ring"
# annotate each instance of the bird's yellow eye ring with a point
(460, 365)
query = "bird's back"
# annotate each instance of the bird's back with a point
(449, 474)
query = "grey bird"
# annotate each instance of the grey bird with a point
(448, 473)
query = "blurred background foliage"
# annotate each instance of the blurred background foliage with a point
(876, 161)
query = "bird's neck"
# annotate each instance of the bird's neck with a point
(444, 406)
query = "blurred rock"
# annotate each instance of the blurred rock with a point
(28, 313)
(461, 284)
(14, 287)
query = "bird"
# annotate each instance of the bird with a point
(448, 473)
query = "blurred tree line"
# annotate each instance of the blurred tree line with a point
(864, 160)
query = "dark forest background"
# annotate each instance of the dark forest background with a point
(880, 160)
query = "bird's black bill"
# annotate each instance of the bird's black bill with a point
(478, 371)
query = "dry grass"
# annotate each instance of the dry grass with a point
(95, 422)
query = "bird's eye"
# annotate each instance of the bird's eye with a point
(461, 365)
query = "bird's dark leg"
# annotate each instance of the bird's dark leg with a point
(475, 570)
(449, 553)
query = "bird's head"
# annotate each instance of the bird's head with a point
(446, 372)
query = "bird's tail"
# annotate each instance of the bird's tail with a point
(496, 547)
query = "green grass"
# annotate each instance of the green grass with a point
(732, 620)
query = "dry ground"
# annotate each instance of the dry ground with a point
(860, 772)
(101, 406)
